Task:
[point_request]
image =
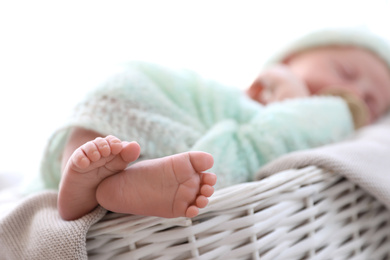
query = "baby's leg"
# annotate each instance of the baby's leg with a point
(171, 186)
(86, 168)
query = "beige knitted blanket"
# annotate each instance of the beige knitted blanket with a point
(34, 230)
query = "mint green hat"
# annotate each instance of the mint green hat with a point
(338, 36)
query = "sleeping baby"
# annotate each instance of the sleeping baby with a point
(147, 140)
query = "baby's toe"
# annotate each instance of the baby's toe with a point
(192, 211)
(201, 161)
(206, 190)
(80, 160)
(130, 151)
(209, 178)
(115, 144)
(91, 151)
(102, 146)
(201, 201)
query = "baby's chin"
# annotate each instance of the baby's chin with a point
(360, 112)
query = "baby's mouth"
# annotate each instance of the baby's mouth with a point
(359, 109)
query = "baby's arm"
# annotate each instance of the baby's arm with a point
(276, 84)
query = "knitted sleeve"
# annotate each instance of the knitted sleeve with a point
(240, 149)
(169, 111)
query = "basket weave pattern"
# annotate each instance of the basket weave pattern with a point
(307, 213)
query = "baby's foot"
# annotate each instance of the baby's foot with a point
(86, 168)
(172, 186)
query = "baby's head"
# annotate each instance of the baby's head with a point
(345, 69)
(352, 63)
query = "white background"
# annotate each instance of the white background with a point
(52, 52)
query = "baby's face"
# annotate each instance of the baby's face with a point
(352, 69)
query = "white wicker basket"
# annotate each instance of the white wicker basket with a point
(296, 214)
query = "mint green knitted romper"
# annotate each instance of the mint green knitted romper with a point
(171, 111)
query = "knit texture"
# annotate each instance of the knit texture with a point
(172, 111)
(358, 36)
(363, 160)
(34, 230)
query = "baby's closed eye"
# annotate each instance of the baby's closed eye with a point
(345, 71)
